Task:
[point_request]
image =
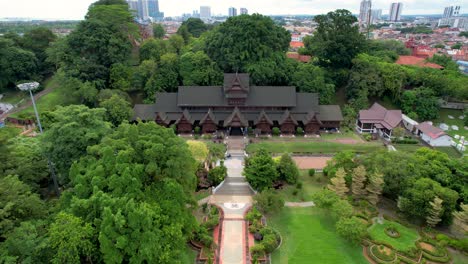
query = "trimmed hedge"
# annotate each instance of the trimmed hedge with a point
(376, 250)
(430, 257)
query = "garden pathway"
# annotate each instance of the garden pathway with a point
(234, 196)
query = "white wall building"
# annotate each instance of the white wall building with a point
(433, 136)
(395, 12)
(205, 12)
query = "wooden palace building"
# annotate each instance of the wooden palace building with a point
(237, 105)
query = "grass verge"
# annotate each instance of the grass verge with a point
(313, 147)
(309, 237)
(406, 240)
(310, 185)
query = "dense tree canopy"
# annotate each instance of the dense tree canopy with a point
(69, 131)
(311, 79)
(16, 64)
(194, 26)
(243, 40)
(136, 183)
(337, 39)
(197, 69)
(260, 170)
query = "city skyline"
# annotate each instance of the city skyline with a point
(76, 9)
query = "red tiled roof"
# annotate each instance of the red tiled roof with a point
(296, 44)
(430, 130)
(416, 61)
(298, 57)
(378, 114)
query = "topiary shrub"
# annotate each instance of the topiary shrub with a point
(197, 130)
(383, 253)
(299, 131)
(253, 215)
(276, 131)
(257, 251)
(311, 172)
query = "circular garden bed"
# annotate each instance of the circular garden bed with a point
(383, 253)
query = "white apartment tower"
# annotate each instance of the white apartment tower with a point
(232, 12)
(205, 12)
(395, 12)
(365, 12)
(451, 11)
(244, 11)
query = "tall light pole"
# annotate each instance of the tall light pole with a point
(30, 87)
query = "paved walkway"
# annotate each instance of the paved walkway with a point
(303, 204)
(234, 196)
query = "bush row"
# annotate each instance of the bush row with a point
(377, 251)
(460, 244)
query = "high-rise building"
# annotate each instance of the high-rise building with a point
(232, 11)
(196, 14)
(376, 15)
(133, 6)
(244, 11)
(153, 10)
(395, 12)
(143, 13)
(451, 11)
(205, 12)
(365, 12)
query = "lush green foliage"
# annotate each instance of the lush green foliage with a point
(269, 202)
(117, 109)
(260, 170)
(311, 79)
(195, 26)
(352, 229)
(217, 174)
(139, 177)
(158, 31)
(244, 40)
(69, 131)
(337, 39)
(287, 169)
(17, 204)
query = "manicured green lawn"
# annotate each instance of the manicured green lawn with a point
(313, 147)
(48, 102)
(404, 242)
(309, 237)
(310, 185)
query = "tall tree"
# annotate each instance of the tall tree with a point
(338, 183)
(194, 26)
(69, 131)
(165, 78)
(102, 39)
(16, 64)
(27, 161)
(117, 109)
(38, 40)
(375, 187)
(359, 178)
(352, 229)
(260, 170)
(415, 201)
(153, 49)
(337, 39)
(134, 187)
(159, 31)
(460, 221)
(71, 238)
(288, 170)
(435, 211)
(199, 70)
(311, 79)
(17, 204)
(243, 40)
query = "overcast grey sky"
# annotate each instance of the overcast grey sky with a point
(76, 9)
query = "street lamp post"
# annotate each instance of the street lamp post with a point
(30, 87)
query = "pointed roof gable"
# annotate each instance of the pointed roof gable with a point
(208, 115)
(239, 115)
(287, 115)
(378, 114)
(185, 115)
(236, 80)
(262, 116)
(310, 117)
(162, 116)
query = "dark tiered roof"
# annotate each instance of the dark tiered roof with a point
(275, 103)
